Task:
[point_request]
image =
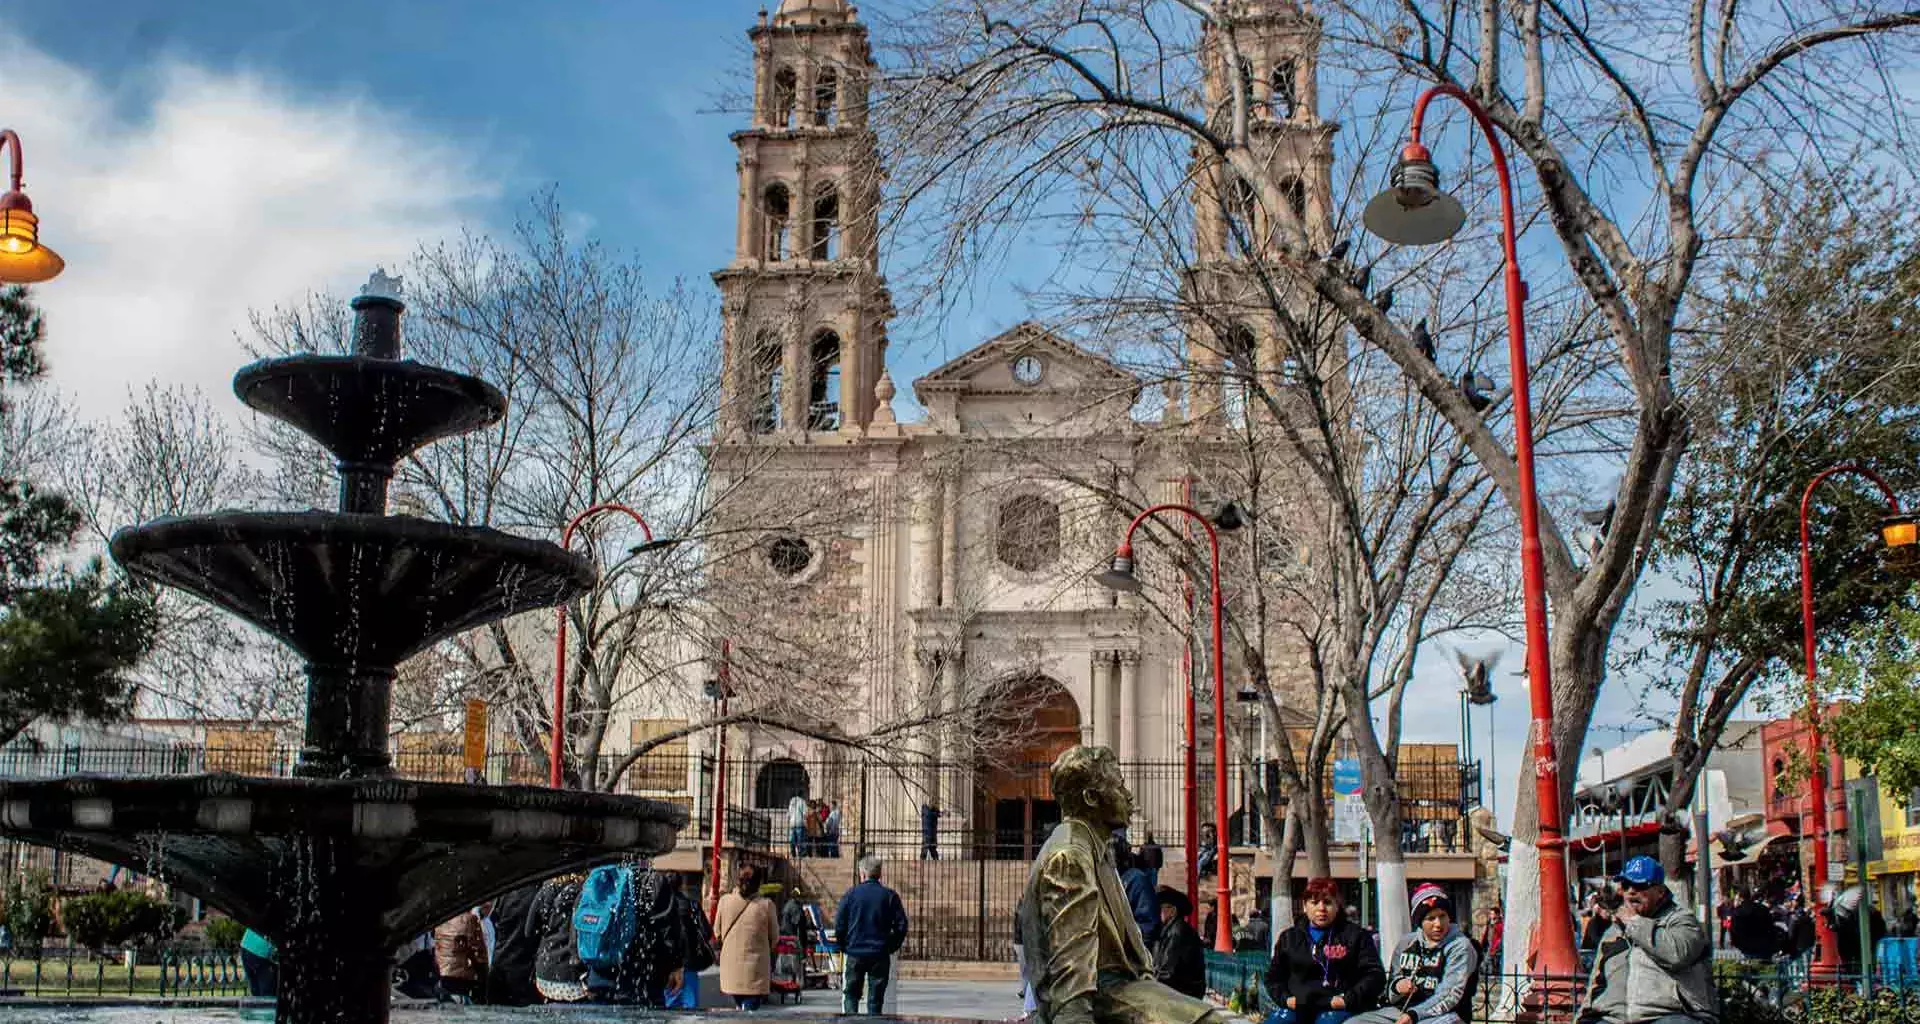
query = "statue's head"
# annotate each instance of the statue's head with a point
(1089, 786)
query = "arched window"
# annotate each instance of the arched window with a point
(826, 225)
(823, 397)
(1029, 534)
(1295, 192)
(779, 214)
(826, 97)
(1241, 364)
(786, 90)
(1283, 99)
(767, 384)
(778, 782)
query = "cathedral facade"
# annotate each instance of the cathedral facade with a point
(936, 576)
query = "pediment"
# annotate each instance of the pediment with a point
(988, 368)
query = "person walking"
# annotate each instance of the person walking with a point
(871, 925)
(748, 928)
(830, 830)
(1137, 883)
(797, 826)
(929, 831)
(1434, 969)
(1179, 959)
(258, 960)
(1325, 968)
(1751, 929)
(1655, 964)
(516, 943)
(460, 955)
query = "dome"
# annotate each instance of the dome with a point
(813, 12)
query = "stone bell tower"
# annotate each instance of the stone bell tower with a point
(1266, 52)
(805, 308)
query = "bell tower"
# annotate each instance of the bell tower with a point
(805, 309)
(1265, 52)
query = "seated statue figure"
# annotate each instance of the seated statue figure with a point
(1083, 951)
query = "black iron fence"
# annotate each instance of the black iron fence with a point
(886, 801)
(159, 973)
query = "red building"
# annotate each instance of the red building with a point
(1790, 809)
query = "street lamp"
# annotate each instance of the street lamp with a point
(1415, 212)
(1898, 533)
(1119, 576)
(719, 689)
(557, 756)
(24, 259)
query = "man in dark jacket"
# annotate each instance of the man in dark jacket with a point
(515, 942)
(1751, 928)
(1179, 960)
(871, 926)
(1325, 967)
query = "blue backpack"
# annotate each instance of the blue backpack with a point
(604, 917)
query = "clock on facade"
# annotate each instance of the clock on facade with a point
(1028, 369)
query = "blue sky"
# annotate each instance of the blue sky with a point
(194, 161)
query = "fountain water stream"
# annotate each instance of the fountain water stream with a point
(343, 863)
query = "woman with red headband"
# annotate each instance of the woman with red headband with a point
(1325, 968)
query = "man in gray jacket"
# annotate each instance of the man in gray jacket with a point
(1654, 965)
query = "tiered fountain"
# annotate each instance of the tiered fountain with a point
(343, 863)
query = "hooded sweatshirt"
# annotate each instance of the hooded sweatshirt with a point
(1443, 974)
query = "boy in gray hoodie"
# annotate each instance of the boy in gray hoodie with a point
(1431, 975)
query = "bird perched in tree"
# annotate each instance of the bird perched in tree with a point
(1339, 250)
(1384, 300)
(1362, 277)
(1475, 387)
(1422, 339)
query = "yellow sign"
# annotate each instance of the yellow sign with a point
(475, 739)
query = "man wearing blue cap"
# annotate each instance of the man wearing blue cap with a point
(1654, 965)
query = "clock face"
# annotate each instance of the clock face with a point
(1027, 369)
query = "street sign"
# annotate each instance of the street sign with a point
(474, 735)
(1863, 818)
(1346, 776)
(1349, 820)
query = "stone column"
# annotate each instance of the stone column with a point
(1099, 731)
(923, 531)
(746, 240)
(1129, 705)
(956, 797)
(949, 538)
(925, 745)
(793, 362)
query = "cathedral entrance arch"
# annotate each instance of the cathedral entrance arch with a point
(1037, 720)
(778, 782)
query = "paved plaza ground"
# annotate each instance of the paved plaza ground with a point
(972, 1000)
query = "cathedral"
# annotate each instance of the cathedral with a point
(940, 572)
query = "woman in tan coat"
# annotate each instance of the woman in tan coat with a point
(746, 927)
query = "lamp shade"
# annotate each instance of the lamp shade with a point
(24, 259)
(1432, 216)
(1119, 576)
(1900, 531)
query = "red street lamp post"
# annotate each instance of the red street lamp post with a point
(24, 259)
(720, 690)
(557, 756)
(1415, 212)
(1120, 577)
(1897, 531)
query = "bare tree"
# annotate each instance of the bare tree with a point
(1003, 103)
(168, 453)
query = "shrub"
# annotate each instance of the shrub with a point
(224, 934)
(28, 911)
(118, 918)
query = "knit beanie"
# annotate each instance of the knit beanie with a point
(1429, 897)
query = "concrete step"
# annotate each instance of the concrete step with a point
(959, 970)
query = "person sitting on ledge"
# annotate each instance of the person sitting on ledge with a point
(1325, 968)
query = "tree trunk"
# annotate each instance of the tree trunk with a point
(1280, 911)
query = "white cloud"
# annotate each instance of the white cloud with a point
(183, 197)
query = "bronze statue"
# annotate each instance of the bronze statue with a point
(1084, 954)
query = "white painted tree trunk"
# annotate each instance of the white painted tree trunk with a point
(1395, 917)
(1281, 910)
(1522, 910)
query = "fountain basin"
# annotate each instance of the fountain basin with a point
(373, 862)
(353, 590)
(368, 410)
